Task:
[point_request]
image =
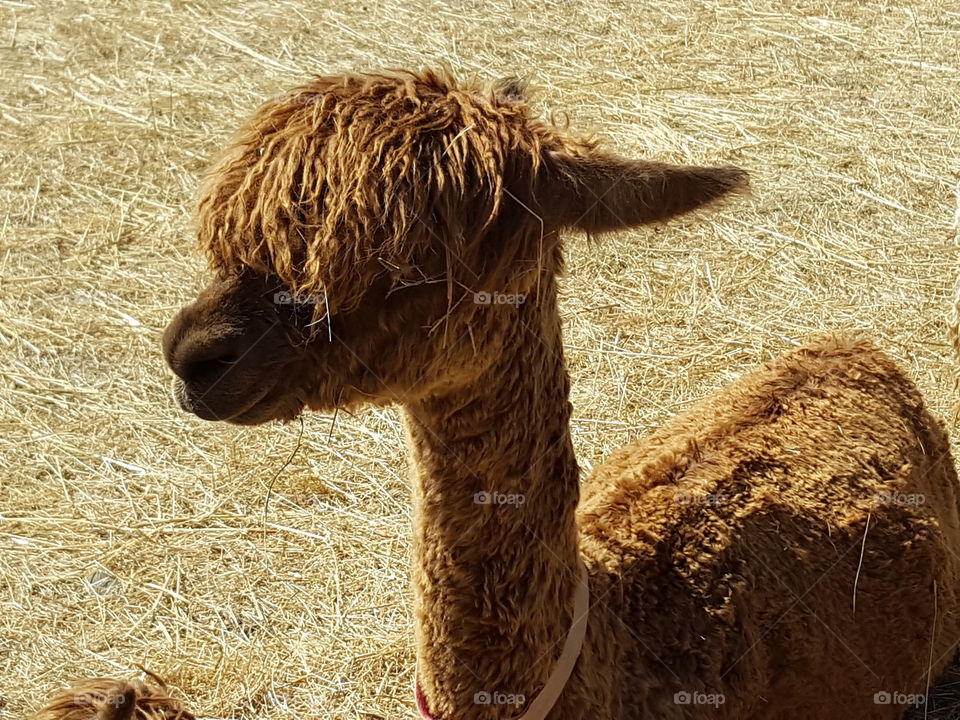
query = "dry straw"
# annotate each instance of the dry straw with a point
(130, 533)
(954, 322)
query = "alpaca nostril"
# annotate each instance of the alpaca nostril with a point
(195, 358)
(208, 367)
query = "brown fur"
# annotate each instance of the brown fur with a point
(749, 549)
(108, 699)
(805, 588)
(362, 176)
(724, 550)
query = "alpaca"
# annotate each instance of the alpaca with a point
(789, 548)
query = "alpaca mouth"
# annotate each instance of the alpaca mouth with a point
(281, 407)
(234, 408)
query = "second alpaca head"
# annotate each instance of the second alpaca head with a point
(372, 234)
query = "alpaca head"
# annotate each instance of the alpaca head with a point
(372, 235)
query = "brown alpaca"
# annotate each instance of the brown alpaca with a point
(786, 549)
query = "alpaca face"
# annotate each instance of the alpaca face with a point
(248, 350)
(372, 235)
(232, 354)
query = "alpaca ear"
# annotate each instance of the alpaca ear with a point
(597, 192)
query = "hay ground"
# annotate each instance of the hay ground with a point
(131, 533)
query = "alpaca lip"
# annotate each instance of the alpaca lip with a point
(207, 405)
(282, 408)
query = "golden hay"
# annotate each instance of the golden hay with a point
(131, 533)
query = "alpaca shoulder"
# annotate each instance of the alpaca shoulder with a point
(712, 538)
(820, 430)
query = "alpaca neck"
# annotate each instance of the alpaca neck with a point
(496, 563)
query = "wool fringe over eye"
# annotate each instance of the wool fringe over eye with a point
(332, 177)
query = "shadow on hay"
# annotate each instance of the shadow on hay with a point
(943, 703)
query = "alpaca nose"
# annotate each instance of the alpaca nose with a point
(196, 363)
(198, 354)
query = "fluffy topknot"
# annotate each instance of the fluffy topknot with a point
(349, 178)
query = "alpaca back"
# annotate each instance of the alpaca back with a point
(791, 542)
